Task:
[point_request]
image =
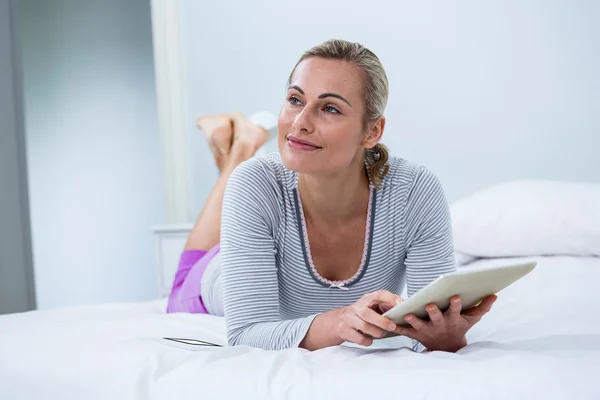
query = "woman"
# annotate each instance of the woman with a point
(318, 241)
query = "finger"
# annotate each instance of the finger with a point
(381, 296)
(384, 307)
(417, 323)
(406, 331)
(365, 327)
(372, 317)
(484, 306)
(489, 301)
(476, 313)
(354, 336)
(435, 315)
(455, 307)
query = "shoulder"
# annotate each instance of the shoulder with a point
(260, 185)
(409, 178)
(256, 194)
(414, 191)
(261, 172)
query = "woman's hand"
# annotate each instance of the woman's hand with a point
(445, 331)
(362, 321)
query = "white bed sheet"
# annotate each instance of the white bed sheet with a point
(542, 340)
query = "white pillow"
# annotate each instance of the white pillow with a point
(463, 259)
(529, 218)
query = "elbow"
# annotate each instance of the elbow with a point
(239, 336)
(234, 337)
(251, 335)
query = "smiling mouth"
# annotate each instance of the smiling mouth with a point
(300, 144)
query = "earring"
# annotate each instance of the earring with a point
(377, 153)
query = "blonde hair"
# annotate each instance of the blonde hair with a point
(375, 90)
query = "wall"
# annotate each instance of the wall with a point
(481, 92)
(93, 149)
(16, 270)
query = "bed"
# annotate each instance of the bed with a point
(541, 340)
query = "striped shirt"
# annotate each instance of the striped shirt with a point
(271, 292)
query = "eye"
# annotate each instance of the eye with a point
(294, 100)
(331, 110)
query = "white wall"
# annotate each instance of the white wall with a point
(93, 149)
(481, 91)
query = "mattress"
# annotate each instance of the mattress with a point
(541, 340)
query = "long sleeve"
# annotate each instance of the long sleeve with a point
(248, 265)
(428, 233)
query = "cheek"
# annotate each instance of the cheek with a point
(344, 138)
(284, 126)
(285, 120)
(344, 145)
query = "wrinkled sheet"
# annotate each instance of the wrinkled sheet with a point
(541, 340)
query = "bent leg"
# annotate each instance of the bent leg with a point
(203, 242)
(247, 139)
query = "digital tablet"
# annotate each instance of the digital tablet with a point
(189, 344)
(472, 285)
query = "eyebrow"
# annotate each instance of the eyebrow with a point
(324, 95)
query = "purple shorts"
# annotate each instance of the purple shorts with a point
(185, 292)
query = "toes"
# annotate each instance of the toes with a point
(219, 134)
(223, 130)
(240, 124)
(210, 123)
(246, 131)
(238, 117)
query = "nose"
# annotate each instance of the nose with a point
(303, 121)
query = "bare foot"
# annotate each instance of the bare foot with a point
(219, 134)
(247, 132)
(240, 152)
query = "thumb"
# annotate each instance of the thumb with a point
(384, 307)
(383, 296)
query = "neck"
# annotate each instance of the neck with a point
(335, 197)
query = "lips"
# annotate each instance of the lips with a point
(301, 144)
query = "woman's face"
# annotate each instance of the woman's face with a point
(320, 123)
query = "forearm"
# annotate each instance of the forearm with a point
(266, 335)
(323, 331)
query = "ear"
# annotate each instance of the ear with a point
(374, 133)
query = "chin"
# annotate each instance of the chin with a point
(303, 163)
